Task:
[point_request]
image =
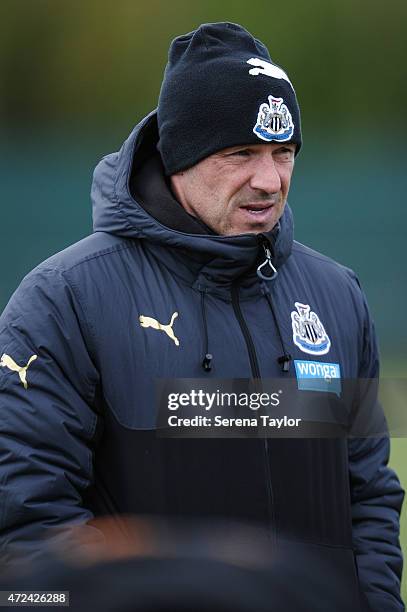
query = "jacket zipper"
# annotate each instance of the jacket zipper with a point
(256, 374)
(245, 330)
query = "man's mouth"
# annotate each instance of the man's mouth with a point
(258, 207)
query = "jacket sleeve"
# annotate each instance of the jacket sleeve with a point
(47, 418)
(376, 496)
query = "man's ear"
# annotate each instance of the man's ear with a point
(176, 179)
(176, 185)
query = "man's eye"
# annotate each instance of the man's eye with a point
(285, 153)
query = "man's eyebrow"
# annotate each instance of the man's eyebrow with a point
(238, 147)
(230, 150)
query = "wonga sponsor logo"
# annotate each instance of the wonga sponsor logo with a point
(318, 376)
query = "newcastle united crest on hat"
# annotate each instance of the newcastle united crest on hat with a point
(308, 332)
(274, 121)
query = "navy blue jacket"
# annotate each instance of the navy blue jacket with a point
(77, 424)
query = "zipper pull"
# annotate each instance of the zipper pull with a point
(267, 265)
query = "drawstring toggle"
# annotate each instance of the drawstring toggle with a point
(207, 362)
(285, 361)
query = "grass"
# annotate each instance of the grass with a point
(398, 462)
(398, 457)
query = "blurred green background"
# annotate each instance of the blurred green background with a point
(76, 76)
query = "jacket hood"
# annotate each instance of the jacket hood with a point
(117, 209)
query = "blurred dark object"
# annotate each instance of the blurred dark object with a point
(160, 566)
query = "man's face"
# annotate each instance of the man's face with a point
(238, 190)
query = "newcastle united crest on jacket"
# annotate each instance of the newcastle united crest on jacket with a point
(308, 332)
(274, 121)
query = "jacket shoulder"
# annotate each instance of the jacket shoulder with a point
(53, 276)
(318, 261)
(98, 244)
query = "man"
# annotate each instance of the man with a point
(192, 271)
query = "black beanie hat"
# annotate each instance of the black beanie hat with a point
(221, 89)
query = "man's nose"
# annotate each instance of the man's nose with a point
(265, 176)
